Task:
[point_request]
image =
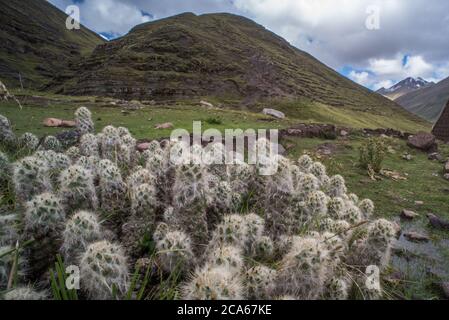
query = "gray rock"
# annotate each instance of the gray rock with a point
(408, 214)
(416, 237)
(446, 167)
(435, 156)
(206, 104)
(446, 176)
(423, 141)
(437, 222)
(274, 113)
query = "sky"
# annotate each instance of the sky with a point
(375, 43)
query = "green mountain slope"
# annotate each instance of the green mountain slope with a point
(427, 102)
(220, 56)
(35, 42)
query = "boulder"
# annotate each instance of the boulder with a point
(423, 141)
(274, 113)
(52, 122)
(167, 125)
(408, 214)
(206, 104)
(437, 222)
(435, 156)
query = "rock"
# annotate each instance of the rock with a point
(437, 222)
(68, 124)
(445, 288)
(408, 214)
(419, 203)
(435, 156)
(52, 122)
(274, 113)
(206, 104)
(344, 133)
(446, 167)
(167, 125)
(423, 141)
(407, 157)
(143, 146)
(446, 176)
(416, 237)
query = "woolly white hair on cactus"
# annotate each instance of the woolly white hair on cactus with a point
(307, 184)
(83, 119)
(263, 248)
(29, 141)
(318, 170)
(353, 214)
(31, 177)
(337, 186)
(144, 201)
(260, 282)
(110, 143)
(316, 203)
(336, 208)
(337, 289)
(305, 163)
(367, 208)
(255, 227)
(228, 257)
(103, 266)
(81, 229)
(26, 293)
(112, 187)
(232, 231)
(6, 134)
(73, 153)
(8, 229)
(139, 177)
(174, 251)
(76, 189)
(44, 214)
(5, 169)
(213, 283)
(303, 270)
(89, 145)
(88, 163)
(51, 143)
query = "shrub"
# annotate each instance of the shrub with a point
(372, 154)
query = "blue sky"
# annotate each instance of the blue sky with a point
(411, 38)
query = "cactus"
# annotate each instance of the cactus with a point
(31, 177)
(213, 283)
(367, 208)
(316, 204)
(73, 153)
(6, 134)
(26, 293)
(112, 187)
(51, 143)
(305, 163)
(260, 282)
(174, 250)
(232, 231)
(89, 145)
(83, 119)
(336, 208)
(29, 141)
(76, 189)
(5, 171)
(44, 215)
(110, 143)
(82, 229)
(103, 267)
(227, 257)
(8, 229)
(337, 186)
(337, 289)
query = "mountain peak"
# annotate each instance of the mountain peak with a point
(403, 87)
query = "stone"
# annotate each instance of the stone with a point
(437, 222)
(416, 237)
(407, 157)
(446, 176)
(419, 203)
(435, 156)
(408, 214)
(52, 122)
(143, 146)
(68, 124)
(344, 133)
(206, 104)
(446, 167)
(423, 141)
(167, 125)
(273, 113)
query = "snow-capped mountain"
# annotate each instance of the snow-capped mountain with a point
(404, 87)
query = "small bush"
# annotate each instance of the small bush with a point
(214, 121)
(372, 154)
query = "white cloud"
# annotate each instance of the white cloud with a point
(362, 78)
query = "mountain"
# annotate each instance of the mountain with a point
(404, 87)
(429, 102)
(218, 56)
(35, 42)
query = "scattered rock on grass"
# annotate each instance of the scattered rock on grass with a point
(206, 104)
(407, 156)
(437, 222)
(274, 113)
(446, 167)
(408, 214)
(446, 176)
(416, 237)
(419, 203)
(435, 156)
(167, 125)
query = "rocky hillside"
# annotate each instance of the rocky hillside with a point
(404, 87)
(34, 42)
(428, 102)
(222, 56)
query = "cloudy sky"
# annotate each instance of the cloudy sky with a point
(374, 42)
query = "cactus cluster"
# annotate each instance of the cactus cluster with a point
(223, 231)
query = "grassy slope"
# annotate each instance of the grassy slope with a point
(34, 41)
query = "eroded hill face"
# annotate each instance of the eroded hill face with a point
(217, 55)
(35, 42)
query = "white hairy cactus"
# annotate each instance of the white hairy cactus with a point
(337, 186)
(260, 282)
(73, 153)
(26, 293)
(174, 250)
(305, 163)
(112, 187)
(232, 231)
(336, 208)
(103, 267)
(29, 141)
(89, 145)
(367, 208)
(44, 215)
(77, 190)
(337, 289)
(318, 170)
(31, 177)
(8, 229)
(5, 170)
(213, 283)
(228, 257)
(83, 119)
(110, 143)
(316, 204)
(82, 229)
(6, 134)
(51, 143)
